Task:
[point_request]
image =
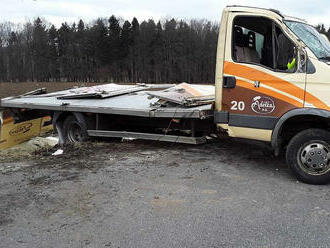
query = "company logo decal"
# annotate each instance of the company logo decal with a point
(263, 105)
(24, 128)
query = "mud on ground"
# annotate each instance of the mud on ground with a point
(153, 194)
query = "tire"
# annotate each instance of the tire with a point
(308, 156)
(74, 131)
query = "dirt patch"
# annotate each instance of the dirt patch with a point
(28, 149)
(9, 203)
(87, 155)
(152, 194)
(54, 178)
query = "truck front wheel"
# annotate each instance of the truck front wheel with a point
(308, 156)
(74, 131)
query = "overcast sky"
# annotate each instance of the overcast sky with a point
(58, 11)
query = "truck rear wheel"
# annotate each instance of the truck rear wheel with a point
(308, 156)
(74, 131)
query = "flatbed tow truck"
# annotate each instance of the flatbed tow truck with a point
(272, 84)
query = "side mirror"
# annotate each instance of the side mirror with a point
(310, 68)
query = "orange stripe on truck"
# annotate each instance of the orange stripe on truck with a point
(270, 80)
(269, 92)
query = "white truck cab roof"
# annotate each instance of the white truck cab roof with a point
(271, 12)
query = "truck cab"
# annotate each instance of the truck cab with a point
(273, 85)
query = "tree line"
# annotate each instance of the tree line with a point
(109, 50)
(321, 28)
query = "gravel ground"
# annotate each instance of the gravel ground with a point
(149, 194)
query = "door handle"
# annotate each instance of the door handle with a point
(256, 84)
(229, 82)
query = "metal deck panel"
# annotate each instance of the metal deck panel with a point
(136, 104)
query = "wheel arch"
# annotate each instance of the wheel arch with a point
(301, 117)
(58, 121)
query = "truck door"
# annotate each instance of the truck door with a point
(261, 79)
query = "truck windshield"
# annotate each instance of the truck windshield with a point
(312, 38)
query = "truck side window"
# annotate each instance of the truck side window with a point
(245, 45)
(252, 40)
(257, 40)
(285, 52)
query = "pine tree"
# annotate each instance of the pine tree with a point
(114, 48)
(40, 51)
(134, 53)
(126, 41)
(53, 47)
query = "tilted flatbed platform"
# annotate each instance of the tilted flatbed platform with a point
(139, 111)
(134, 104)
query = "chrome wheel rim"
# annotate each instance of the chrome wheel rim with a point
(314, 158)
(75, 133)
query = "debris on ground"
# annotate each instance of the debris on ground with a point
(13, 134)
(124, 139)
(58, 152)
(29, 148)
